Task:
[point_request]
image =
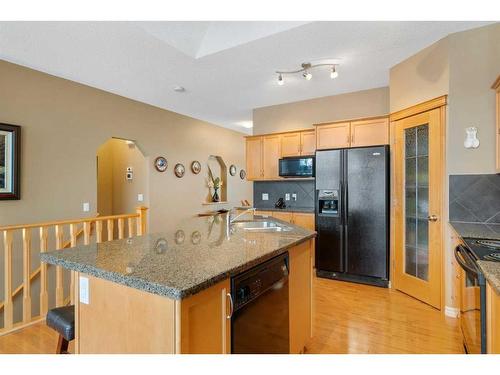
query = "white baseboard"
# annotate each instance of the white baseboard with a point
(452, 312)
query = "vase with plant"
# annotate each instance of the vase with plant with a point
(215, 183)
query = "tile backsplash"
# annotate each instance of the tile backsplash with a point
(278, 189)
(475, 198)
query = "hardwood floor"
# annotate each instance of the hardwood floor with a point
(347, 318)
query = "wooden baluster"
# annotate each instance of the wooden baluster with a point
(73, 232)
(130, 227)
(59, 231)
(44, 296)
(98, 231)
(121, 228)
(86, 233)
(141, 220)
(26, 275)
(8, 306)
(110, 228)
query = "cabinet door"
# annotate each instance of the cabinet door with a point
(304, 220)
(307, 142)
(333, 136)
(254, 158)
(285, 216)
(290, 144)
(205, 327)
(271, 146)
(372, 132)
(492, 320)
(300, 294)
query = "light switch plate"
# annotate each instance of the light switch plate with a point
(265, 196)
(140, 197)
(86, 207)
(287, 196)
(84, 290)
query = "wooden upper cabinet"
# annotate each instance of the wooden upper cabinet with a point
(371, 132)
(335, 135)
(496, 87)
(307, 142)
(254, 158)
(290, 144)
(271, 152)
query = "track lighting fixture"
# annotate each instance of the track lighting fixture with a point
(306, 71)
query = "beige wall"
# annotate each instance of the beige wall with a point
(304, 114)
(115, 194)
(421, 77)
(63, 125)
(474, 66)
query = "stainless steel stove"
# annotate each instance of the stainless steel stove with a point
(473, 290)
(484, 249)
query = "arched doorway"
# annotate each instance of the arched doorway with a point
(121, 177)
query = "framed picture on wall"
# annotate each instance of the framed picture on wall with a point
(10, 163)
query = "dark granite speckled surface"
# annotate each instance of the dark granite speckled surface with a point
(491, 270)
(181, 262)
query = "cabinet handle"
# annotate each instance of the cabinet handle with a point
(230, 305)
(432, 218)
(352, 138)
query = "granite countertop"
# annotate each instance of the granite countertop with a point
(287, 209)
(491, 270)
(181, 262)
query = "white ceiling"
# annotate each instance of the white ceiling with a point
(227, 68)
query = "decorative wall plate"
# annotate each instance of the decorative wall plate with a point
(232, 170)
(179, 237)
(161, 164)
(179, 170)
(196, 167)
(243, 174)
(195, 237)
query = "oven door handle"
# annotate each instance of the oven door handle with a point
(462, 257)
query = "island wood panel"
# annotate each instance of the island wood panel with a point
(204, 324)
(370, 132)
(336, 135)
(254, 158)
(271, 152)
(300, 295)
(492, 321)
(290, 144)
(120, 319)
(308, 142)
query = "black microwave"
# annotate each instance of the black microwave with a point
(297, 166)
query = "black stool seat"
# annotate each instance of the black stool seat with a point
(62, 320)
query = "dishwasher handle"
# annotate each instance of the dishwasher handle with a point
(231, 305)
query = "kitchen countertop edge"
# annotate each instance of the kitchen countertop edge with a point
(163, 290)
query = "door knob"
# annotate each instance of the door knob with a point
(432, 218)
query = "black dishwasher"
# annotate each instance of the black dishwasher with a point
(259, 324)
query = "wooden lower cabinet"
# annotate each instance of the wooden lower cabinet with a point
(204, 324)
(492, 321)
(302, 219)
(305, 220)
(121, 319)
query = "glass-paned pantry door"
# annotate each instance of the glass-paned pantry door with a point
(418, 188)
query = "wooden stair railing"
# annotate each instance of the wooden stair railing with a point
(74, 232)
(36, 272)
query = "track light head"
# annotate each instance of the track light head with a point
(333, 73)
(281, 81)
(307, 75)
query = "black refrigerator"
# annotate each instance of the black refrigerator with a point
(352, 214)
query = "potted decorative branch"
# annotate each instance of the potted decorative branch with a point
(215, 183)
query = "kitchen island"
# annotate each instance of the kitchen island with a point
(170, 292)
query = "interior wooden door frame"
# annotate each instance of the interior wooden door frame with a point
(436, 103)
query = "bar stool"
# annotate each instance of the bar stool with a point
(62, 320)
